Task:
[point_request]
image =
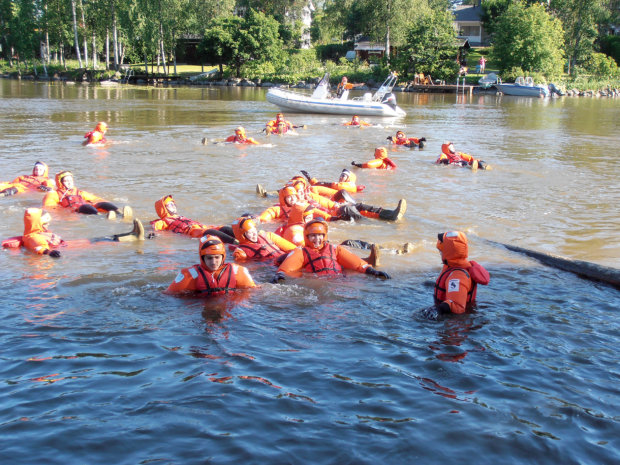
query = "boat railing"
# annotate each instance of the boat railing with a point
(385, 88)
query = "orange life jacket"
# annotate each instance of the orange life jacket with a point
(179, 224)
(321, 262)
(261, 249)
(72, 200)
(207, 283)
(32, 182)
(475, 272)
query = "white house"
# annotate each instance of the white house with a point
(468, 25)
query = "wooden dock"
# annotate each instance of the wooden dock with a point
(441, 88)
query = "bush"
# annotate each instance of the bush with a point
(333, 51)
(610, 45)
(600, 65)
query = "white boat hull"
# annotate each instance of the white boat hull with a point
(297, 102)
(523, 91)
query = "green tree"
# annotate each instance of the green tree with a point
(431, 46)
(580, 20)
(234, 41)
(527, 37)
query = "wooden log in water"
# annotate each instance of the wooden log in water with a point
(585, 269)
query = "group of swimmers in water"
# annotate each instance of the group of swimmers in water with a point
(300, 243)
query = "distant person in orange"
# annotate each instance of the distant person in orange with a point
(38, 239)
(380, 162)
(449, 156)
(240, 137)
(320, 257)
(402, 139)
(212, 276)
(97, 136)
(38, 180)
(255, 244)
(455, 288)
(356, 121)
(66, 195)
(279, 125)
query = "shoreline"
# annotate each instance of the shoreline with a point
(176, 81)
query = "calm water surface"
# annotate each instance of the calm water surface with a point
(98, 366)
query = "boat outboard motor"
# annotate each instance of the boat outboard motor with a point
(554, 90)
(390, 100)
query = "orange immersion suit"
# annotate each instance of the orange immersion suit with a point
(30, 182)
(329, 260)
(69, 198)
(380, 162)
(36, 237)
(455, 288)
(176, 223)
(198, 279)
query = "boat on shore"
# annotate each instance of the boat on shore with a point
(522, 87)
(381, 103)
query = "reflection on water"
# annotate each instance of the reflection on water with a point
(341, 370)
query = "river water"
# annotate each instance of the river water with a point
(99, 367)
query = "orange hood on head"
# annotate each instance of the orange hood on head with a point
(445, 148)
(316, 226)
(453, 247)
(381, 153)
(59, 177)
(285, 192)
(33, 222)
(160, 206)
(45, 171)
(211, 245)
(240, 227)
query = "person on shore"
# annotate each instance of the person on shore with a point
(240, 137)
(38, 239)
(97, 136)
(455, 288)
(482, 62)
(380, 162)
(66, 195)
(255, 244)
(357, 122)
(38, 180)
(402, 139)
(212, 276)
(449, 156)
(320, 257)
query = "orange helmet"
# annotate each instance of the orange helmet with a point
(240, 131)
(211, 245)
(452, 245)
(241, 226)
(279, 117)
(316, 226)
(101, 127)
(60, 176)
(355, 118)
(284, 193)
(400, 134)
(40, 163)
(381, 153)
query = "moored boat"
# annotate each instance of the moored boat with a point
(523, 87)
(381, 103)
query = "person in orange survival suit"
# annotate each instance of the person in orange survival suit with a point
(68, 196)
(255, 244)
(212, 276)
(455, 288)
(356, 121)
(272, 126)
(38, 239)
(410, 142)
(345, 85)
(38, 180)
(240, 137)
(97, 136)
(380, 162)
(344, 207)
(293, 231)
(449, 156)
(346, 181)
(320, 257)
(170, 220)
